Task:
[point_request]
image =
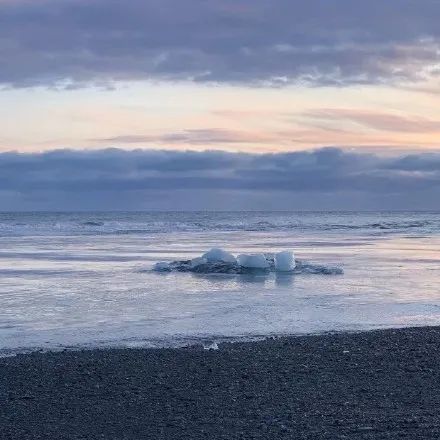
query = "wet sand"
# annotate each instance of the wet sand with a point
(372, 385)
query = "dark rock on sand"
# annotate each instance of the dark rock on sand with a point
(374, 385)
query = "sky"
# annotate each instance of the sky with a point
(203, 104)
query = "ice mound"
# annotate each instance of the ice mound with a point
(218, 261)
(219, 255)
(253, 261)
(285, 261)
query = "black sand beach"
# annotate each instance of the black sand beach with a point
(374, 385)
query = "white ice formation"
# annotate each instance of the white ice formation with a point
(219, 255)
(253, 261)
(221, 262)
(285, 261)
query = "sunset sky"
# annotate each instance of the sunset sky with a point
(255, 76)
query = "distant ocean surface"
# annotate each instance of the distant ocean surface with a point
(85, 279)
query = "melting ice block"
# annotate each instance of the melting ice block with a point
(162, 266)
(253, 261)
(195, 262)
(285, 261)
(215, 255)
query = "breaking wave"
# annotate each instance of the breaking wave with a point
(23, 224)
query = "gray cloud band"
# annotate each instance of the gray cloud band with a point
(77, 42)
(115, 170)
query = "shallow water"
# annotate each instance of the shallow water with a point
(85, 279)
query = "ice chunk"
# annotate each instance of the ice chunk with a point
(285, 261)
(195, 262)
(216, 254)
(253, 261)
(210, 346)
(162, 266)
(282, 262)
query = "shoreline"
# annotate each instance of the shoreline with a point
(196, 342)
(376, 384)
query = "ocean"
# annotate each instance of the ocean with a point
(71, 280)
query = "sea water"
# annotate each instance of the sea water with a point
(85, 279)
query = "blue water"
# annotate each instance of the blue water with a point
(84, 279)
